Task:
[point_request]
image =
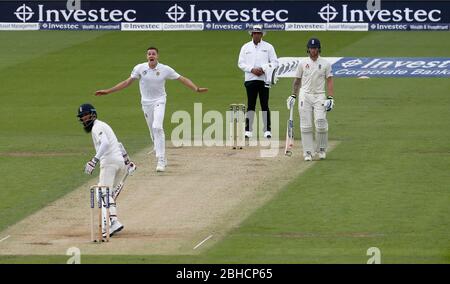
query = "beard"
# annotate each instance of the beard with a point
(88, 127)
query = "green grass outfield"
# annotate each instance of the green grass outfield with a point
(385, 185)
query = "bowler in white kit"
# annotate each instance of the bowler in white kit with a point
(152, 77)
(112, 157)
(316, 98)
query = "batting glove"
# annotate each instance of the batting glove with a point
(131, 168)
(90, 166)
(329, 103)
(290, 101)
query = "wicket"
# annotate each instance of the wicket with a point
(100, 203)
(100, 217)
(92, 213)
(107, 214)
(237, 125)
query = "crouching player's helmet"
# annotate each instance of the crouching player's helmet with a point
(87, 115)
(313, 43)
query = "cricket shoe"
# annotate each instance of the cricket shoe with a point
(308, 156)
(116, 227)
(161, 166)
(267, 134)
(322, 154)
(248, 134)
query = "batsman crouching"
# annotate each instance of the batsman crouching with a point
(113, 159)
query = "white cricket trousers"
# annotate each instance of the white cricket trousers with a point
(310, 106)
(154, 116)
(110, 175)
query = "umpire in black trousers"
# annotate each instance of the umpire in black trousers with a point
(256, 57)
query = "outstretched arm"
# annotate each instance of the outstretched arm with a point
(118, 87)
(188, 83)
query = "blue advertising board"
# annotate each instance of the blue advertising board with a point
(230, 15)
(368, 67)
(392, 67)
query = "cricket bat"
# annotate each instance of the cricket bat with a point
(119, 186)
(290, 133)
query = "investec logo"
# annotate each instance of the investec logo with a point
(24, 13)
(329, 13)
(177, 13)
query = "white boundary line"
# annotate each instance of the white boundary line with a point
(5, 238)
(203, 242)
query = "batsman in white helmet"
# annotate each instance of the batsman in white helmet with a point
(315, 77)
(112, 157)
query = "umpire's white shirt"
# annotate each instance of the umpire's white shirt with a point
(254, 56)
(314, 75)
(106, 144)
(152, 81)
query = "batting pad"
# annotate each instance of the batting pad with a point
(321, 134)
(307, 140)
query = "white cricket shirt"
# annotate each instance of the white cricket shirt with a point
(314, 75)
(105, 143)
(254, 56)
(152, 81)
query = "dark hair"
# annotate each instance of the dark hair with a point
(154, 48)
